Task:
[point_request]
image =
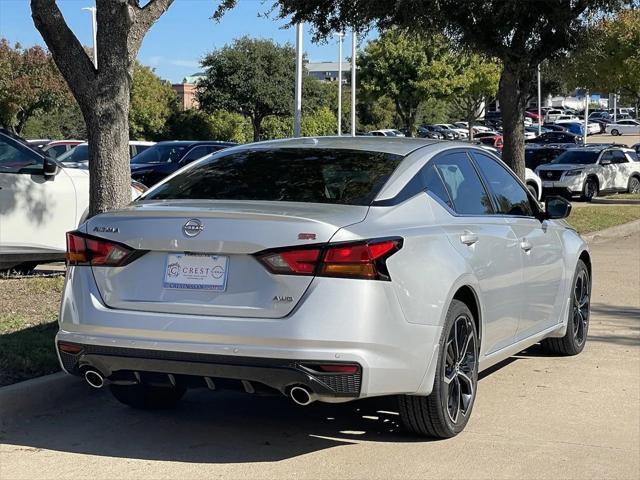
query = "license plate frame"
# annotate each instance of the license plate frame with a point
(196, 271)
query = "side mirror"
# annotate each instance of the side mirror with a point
(50, 168)
(556, 208)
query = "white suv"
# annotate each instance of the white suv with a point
(588, 171)
(39, 202)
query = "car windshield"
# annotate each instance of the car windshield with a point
(577, 157)
(77, 154)
(349, 177)
(161, 154)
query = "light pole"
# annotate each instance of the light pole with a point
(297, 116)
(94, 26)
(586, 118)
(340, 37)
(539, 103)
(353, 82)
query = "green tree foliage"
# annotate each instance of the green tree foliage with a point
(374, 113)
(198, 125)
(252, 77)
(521, 34)
(152, 102)
(65, 122)
(476, 84)
(321, 122)
(407, 69)
(29, 84)
(609, 60)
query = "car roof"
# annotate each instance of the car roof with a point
(195, 142)
(394, 145)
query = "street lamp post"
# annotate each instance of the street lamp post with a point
(94, 25)
(539, 103)
(340, 37)
(297, 116)
(586, 118)
(353, 82)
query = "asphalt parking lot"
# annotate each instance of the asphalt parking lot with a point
(536, 416)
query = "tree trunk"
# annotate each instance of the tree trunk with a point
(108, 138)
(102, 93)
(514, 85)
(256, 123)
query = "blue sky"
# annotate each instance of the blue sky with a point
(179, 39)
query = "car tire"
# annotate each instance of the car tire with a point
(147, 397)
(634, 185)
(446, 411)
(534, 191)
(578, 323)
(615, 132)
(590, 189)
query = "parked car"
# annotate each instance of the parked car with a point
(243, 273)
(554, 127)
(622, 127)
(577, 126)
(589, 171)
(56, 148)
(462, 132)
(557, 137)
(494, 141)
(38, 143)
(553, 114)
(477, 128)
(386, 132)
(536, 154)
(164, 158)
(533, 115)
(78, 157)
(424, 131)
(446, 134)
(40, 200)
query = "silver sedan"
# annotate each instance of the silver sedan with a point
(325, 269)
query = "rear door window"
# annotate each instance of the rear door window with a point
(510, 196)
(463, 184)
(351, 177)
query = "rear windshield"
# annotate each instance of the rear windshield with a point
(349, 177)
(160, 154)
(576, 157)
(77, 154)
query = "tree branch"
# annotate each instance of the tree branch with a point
(143, 19)
(68, 54)
(151, 12)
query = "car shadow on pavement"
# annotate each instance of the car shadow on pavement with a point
(208, 427)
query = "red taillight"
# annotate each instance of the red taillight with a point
(97, 252)
(300, 262)
(352, 260)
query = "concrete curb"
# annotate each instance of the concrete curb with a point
(623, 230)
(39, 394)
(613, 201)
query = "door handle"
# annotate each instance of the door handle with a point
(468, 238)
(526, 246)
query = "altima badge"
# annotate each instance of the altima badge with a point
(106, 229)
(280, 298)
(193, 227)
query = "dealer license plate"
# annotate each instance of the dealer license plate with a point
(198, 272)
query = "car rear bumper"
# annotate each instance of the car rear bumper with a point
(362, 323)
(126, 366)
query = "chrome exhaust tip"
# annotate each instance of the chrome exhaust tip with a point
(302, 395)
(94, 378)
